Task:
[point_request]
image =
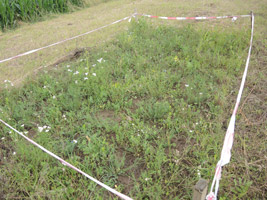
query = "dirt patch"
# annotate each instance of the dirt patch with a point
(134, 170)
(108, 115)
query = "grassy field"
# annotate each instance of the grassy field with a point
(11, 12)
(145, 113)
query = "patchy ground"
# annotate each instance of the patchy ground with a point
(149, 167)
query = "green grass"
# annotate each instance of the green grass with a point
(147, 119)
(13, 11)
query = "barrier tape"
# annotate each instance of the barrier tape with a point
(195, 18)
(122, 196)
(229, 137)
(60, 42)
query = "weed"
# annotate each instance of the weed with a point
(167, 86)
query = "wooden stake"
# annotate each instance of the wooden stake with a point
(200, 190)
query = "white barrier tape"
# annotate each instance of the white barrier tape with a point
(60, 42)
(122, 196)
(195, 18)
(229, 137)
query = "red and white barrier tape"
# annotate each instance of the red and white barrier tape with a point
(60, 42)
(229, 137)
(122, 196)
(194, 18)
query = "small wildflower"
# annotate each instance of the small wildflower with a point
(68, 66)
(85, 78)
(46, 130)
(147, 179)
(54, 97)
(94, 74)
(234, 19)
(76, 82)
(63, 169)
(197, 123)
(76, 73)
(100, 60)
(14, 153)
(74, 141)
(25, 132)
(198, 173)
(186, 85)
(69, 70)
(2, 138)
(44, 86)
(94, 65)
(40, 129)
(200, 93)
(86, 73)
(22, 125)
(190, 131)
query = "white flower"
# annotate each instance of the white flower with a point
(190, 131)
(197, 123)
(234, 18)
(198, 173)
(68, 66)
(12, 84)
(69, 70)
(40, 129)
(2, 138)
(48, 127)
(94, 65)
(54, 97)
(186, 85)
(100, 60)
(147, 179)
(94, 74)
(46, 130)
(85, 78)
(63, 169)
(74, 141)
(44, 127)
(76, 82)
(86, 73)
(25, 132)
(14, 153)
(22, 125)
(44, 86)
(200, 93)
(76, 73)
(9, 132)
(86, 68)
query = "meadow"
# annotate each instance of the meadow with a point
(145, 114)
(12, 12)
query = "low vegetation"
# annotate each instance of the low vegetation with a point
(145, 114)
(13, 11)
